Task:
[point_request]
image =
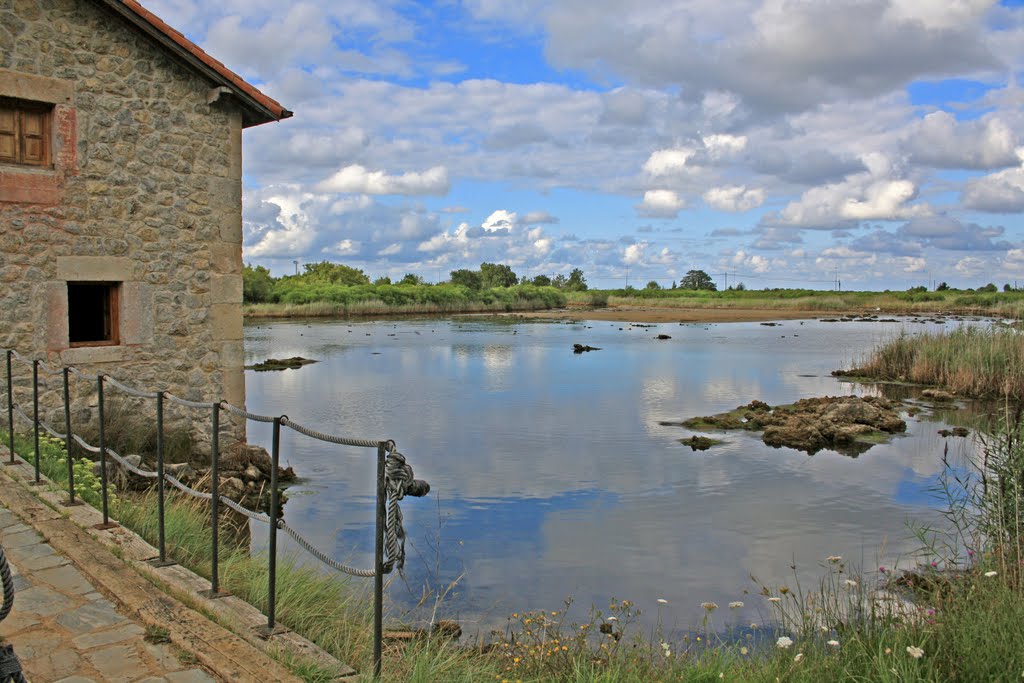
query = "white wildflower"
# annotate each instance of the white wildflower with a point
(736, 604)
(783, 642)
(915, 652)
(833, 643)
(799, 656)
(991, 574)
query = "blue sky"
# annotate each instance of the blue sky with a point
(779, 141)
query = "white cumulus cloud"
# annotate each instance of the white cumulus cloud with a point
(661, 204)
(940, 140)
(734, 198)
(356, 178)
(722, 145)
(872, 195)
(1000, 192)
(668, 161)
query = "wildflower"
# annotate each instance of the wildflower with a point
(799, 656)
(666, 649)
(783, 642)
(709, 606)
(612, 619)
(970, 553)
(850, 583)
(662, 601)
(753, 625)
(915, 652)
(833, 643)
(888, 650)
(774, 599)
(882, 569)
(991, 574)
(783, 589)
(834, 558)
(934, 564)
(736, 604)
(744, 651)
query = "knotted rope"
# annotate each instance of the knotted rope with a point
(398, 481)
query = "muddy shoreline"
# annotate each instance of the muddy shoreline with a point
(657, 314)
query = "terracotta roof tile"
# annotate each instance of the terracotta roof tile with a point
(274, 110)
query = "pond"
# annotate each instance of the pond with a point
(552, 476)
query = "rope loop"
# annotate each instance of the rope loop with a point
(399, 480)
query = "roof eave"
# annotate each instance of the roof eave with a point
(254, 112)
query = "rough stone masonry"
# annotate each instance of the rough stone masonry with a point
(143, 194)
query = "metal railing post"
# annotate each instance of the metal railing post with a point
(378, 565)
(275, 458)
(215, 591)
(103, 454)
(68, 440)
(35, 416)
(162, 560)
(10, 404)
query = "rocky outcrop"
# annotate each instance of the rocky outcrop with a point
(582, 348)
(244, 475)
(847, 424)
(269, 364)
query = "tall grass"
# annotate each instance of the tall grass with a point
(295, 297)
(971, 361)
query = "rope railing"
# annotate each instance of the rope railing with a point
(394, 479)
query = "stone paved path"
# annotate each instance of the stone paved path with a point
(64, 631)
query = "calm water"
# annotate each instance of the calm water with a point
(551, 475)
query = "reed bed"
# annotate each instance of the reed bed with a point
(970, 361)
(1001, 304)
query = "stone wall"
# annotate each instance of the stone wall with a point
(145, 191)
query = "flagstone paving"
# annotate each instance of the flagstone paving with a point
(64, 631)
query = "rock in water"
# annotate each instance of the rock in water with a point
(280, 364)
(581, 348)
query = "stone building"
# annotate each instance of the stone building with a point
(120, 196)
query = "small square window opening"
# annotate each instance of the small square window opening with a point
(25, 133)
(94, 313)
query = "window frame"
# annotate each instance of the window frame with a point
(112, 313)
(21, 109)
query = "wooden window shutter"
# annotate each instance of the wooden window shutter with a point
(8, 134)
(35, 138)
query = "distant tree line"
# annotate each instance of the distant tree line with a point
(259, 286)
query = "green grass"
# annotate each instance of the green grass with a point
(1006, 304)
(293, 297)
(296, 298)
